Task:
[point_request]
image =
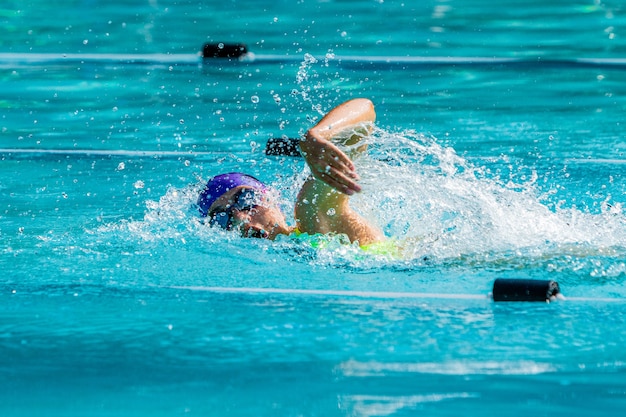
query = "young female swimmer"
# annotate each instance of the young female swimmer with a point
(240, 201)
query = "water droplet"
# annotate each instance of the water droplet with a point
(255, 99)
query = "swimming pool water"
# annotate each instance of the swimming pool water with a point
(588, 28)
(116, 301)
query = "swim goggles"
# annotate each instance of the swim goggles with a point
(242, 200)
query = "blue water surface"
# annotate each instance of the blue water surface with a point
(116, 300)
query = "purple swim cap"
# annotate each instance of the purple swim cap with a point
(223, 183)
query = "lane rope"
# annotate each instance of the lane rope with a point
(506, 290)
(239, 53)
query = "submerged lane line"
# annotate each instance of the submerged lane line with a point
(367, 294)
(195, 59)
(338, 293)
(104, 152)
(198, 154)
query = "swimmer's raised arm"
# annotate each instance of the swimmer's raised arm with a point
(322, 205)
(345, 124)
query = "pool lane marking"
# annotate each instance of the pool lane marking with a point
(195, 154)
(12, 58)
(367, 294)
(340, 293)
(116, 58)
(103, 152)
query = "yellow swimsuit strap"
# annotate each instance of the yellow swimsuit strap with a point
(387, 247)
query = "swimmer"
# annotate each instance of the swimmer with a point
(237, 201)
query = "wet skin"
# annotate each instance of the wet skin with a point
(263, 220)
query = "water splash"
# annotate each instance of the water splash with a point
(438, 208)
(317, 88)
(172, 217)
(442, 207)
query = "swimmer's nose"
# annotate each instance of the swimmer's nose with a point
(248, 227)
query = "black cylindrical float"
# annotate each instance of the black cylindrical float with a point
(224, 50)
(524, 290)
(283, 147)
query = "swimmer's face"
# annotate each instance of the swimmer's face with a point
(249, 211)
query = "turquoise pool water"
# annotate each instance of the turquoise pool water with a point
(116, 301)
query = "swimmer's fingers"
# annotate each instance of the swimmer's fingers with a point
(336, 174)
(337, 158)
(317, 148)
(339, 181)
(331, 164)
(322, 156)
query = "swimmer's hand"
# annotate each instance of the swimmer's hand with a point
(329, 164)
(322, 205)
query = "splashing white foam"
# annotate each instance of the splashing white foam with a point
(364, 369)
(435, 204)
(439, 205)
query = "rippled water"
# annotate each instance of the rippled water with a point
(116, 300)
